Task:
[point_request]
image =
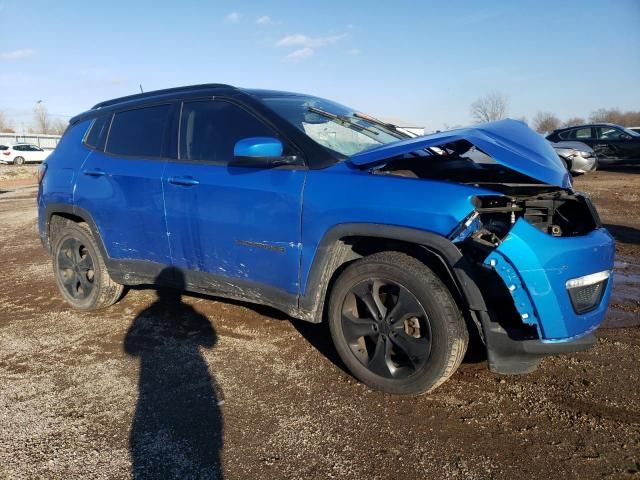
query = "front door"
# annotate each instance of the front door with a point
(616, 144)
(231, 227)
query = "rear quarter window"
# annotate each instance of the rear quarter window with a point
(97, 136)
(140, 132)
(4, 147)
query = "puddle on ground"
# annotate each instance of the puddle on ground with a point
(625, 298)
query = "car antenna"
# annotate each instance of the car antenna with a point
(141, 90)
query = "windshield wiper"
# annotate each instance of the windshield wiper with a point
(343, 120)
(386, 125)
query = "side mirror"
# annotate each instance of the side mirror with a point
(260, 152)
(626, 137)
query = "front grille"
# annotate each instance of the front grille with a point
(586, 298)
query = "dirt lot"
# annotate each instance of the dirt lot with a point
(244, 392)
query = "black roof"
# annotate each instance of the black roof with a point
(156, 93)
(584, 125)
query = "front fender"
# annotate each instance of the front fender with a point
(327, 259)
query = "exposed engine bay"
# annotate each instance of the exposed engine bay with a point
(558, 212)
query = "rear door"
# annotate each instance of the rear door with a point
(239, 224)
(120, 182)
(21, 151)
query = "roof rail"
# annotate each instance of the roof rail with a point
(155, 93)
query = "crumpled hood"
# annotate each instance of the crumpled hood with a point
(509, 142)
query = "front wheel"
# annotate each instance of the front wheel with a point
(80, 271)
(395, 324)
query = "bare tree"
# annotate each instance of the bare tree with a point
(490, 108)
(574, 121)
(4, 124)
(58, 126)
(545, 122)
(41, 118)
(614, 115)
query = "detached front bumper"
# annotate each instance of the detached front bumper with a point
(538, 269)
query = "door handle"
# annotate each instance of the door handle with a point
(185, 181)
(98, 172)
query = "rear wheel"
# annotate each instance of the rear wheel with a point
(80, 271)
(18, 161)
(395, 324)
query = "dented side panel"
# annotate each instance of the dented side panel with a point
(538, 265)
(343, 194)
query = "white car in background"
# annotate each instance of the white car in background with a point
(21, 153)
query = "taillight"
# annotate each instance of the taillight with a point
(6, 152)
(42, 169)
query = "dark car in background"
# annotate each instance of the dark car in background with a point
(613, 144)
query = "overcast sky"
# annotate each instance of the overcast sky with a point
(421, 63)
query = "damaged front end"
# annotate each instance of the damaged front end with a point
(540, 256)
(543, 265)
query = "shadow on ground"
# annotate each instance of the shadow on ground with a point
(624, 234)
(178, 426)
(620, 168)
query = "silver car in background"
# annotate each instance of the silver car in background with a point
(577, 156)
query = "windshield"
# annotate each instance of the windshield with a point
(334, 126)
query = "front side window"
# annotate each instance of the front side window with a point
(140, 132)
(609, 133)
(209, 130)
(98, 134)
(334, 126)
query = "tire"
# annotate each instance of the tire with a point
(18, 161)
(419, 338)
(80, 271)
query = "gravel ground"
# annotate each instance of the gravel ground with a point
(202, 388)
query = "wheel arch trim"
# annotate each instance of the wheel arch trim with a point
(64, 208)
(323, 264)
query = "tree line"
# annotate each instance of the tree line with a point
(491, 107)
(43, 122)
(495, 106)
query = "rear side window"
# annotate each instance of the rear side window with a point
(583, 133)
(4, 147)
(140, 132)
(98, 133)
(210, 129)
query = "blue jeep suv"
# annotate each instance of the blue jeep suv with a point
(407, 246)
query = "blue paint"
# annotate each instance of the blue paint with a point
(231, 205)
(543, 264)
(509, 142)
(258, 147)
(265, 224)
